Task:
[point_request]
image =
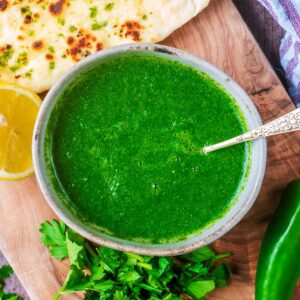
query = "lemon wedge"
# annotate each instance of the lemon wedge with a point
(18, 111)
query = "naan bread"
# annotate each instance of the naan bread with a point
(41, 39)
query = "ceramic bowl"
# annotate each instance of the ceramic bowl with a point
(237, 211)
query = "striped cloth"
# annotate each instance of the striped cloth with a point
(287, 14)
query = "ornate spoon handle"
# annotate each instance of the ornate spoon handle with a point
(286, 123)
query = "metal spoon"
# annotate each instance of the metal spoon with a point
(286, 123)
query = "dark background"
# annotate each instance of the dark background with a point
(267, 33)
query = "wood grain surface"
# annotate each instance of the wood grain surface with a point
(220, 36)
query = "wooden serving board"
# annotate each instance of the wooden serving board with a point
(220, 36)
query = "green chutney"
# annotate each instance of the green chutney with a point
(125, 140)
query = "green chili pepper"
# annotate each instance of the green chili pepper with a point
(278, 266)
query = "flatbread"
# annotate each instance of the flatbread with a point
(40, 40)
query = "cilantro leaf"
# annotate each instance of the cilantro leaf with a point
(118, 295)
(110, 258)
(74, 251)
(76, 281)
(53, 236)
(200, 255)
(128, 276)
(104, 286)
(199, 269)
(97, 273)
(165, 264)
(199, 289)
(106, 274)
(221, 274)
(109, 6)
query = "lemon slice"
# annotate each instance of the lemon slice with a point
(18, 111)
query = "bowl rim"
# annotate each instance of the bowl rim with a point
(219, 228)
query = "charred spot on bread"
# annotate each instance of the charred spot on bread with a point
(27, 19)
(49, 56)
(56, 8)
(131, 29)
(3, 5)
(37, 45)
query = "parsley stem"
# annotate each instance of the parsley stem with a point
(222, 255)
(136, 256)
(219, 256)
(59, 292)
(144, 265)
(90, 250)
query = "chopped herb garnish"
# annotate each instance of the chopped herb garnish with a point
(22, 58)
(51, 49)
(145, 17)
(93, 12)
(97, 26)
(72, 28)
(14, 68)
(51, 65)
(28, 74)
(31, 33)
(109, 6)
(25, 10)
(6, 56)
(61, 21)
(104, 273)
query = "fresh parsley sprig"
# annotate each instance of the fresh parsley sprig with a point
(103, 273)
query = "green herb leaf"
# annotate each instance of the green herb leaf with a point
(74, 251)
(9, 296)
(106, 274)
(109, 6)
(61, 21)
(200, 255)
(5, 271)
(51, 65)
(111, 259)
(118, 295)
(97, 26)
(6, 55)
(104, 286)
(199, 269)
(72, 28)
(221, 274)
(199, 289)
(97, 273)
(53, 236)
(51, 49)
(128, 275)
(93, 12)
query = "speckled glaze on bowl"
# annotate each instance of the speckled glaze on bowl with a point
(237, 211)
